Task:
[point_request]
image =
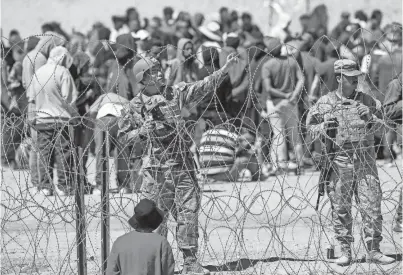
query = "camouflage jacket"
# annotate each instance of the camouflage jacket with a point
(157, 122)
(352, 128)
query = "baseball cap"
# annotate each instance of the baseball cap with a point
(143, 65)
(346, 67)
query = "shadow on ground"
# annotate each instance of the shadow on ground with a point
(244, 264)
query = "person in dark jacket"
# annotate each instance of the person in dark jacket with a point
(120, 77)
(238, 99)
(214, 109)
(84, 85)
(142, 251)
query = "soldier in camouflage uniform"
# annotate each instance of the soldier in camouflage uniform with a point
(353, 170)
(154, 116)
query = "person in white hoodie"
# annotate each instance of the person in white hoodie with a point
(31, 63)
(55, 94)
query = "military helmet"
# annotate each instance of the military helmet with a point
(143, 65)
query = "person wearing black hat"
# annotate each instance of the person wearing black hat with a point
(154, 116)
(141, 251)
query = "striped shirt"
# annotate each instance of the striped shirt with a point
(217, 151)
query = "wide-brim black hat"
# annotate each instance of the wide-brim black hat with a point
(146, 215)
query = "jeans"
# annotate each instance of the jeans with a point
(33, 159)
(284, 123)
(12, 131)
(56, 146)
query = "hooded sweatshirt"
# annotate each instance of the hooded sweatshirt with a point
(54, 90)
(37, 58)
(181, 69)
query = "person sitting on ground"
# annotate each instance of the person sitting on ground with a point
(141, 251)
(226, 154)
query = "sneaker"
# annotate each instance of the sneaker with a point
(46, 192)
(266, 168)
(245, 175)
(125, 190)
(390, 164)
(192, 267)
(289, 166)
(65, 192)
(377, 257)
(286, 167)
(96, 191)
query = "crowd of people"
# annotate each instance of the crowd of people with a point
(182, 99)
(283, 75)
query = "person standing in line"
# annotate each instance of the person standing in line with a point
(283, 82)
(389, 66)
(353, 169)
(54, 95)
(31, 63)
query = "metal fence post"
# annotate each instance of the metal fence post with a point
(80, 218)
(105, 225)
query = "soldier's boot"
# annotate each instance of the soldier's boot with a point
(191, 265)
(375, 256)
(345, 258)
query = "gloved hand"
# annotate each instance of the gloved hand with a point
(364, 112)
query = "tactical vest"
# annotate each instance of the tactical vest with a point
(351, 129)
(166, 115)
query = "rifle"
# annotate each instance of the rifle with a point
(328, 154)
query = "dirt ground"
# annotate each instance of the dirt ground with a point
(266, 227)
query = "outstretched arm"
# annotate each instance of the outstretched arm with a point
(196, 91)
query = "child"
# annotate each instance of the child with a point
(141, 251)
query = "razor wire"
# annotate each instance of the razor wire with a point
(264, 225)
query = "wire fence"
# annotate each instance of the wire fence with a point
(251, 220)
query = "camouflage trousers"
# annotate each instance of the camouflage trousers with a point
(355, 173)
(176, 191)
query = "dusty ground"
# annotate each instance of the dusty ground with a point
(246, 228)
